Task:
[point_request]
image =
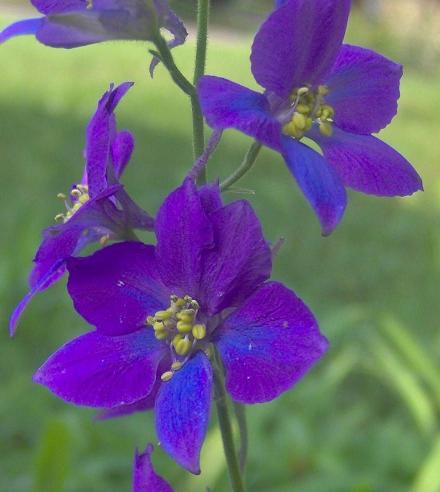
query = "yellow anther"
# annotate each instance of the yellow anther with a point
(166, 376)
(162, 315)
(186, 315)
(76, 193)
(303, 108)
(187, 298)
(175, 366)
(292, 130)
(83, 199)
(182, 347)
(161, 334)
(61, 196)
(158, 325)
(199, 331)
(180, 302)
(302, 90)
(59, 218)
(183, 327)
(103, 240)
(327, 111)
(299, 120)
(177, 339)
(309, 124)
(150, 320)
(326, 128)
(323, 90)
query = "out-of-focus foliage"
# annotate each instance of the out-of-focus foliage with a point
(366, 419)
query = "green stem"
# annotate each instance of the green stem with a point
(248, 162)
(203, 7)
(226, 431)
(168, 61)
(240, 414)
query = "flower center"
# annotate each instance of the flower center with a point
(178, 326)
(78, 196)
(309, 107)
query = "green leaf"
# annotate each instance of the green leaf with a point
(428, 478)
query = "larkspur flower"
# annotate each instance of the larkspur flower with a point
(335, 94)
(159, 310)
(75, 23)
(98, 209)
(145, 479)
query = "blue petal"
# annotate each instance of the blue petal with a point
(21, 28)
(182, 412)
(318, 181)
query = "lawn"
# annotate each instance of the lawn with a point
(366, 419)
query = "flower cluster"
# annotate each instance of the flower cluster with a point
(197, 309)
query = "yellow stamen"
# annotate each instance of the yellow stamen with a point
(59, 218)
(183, 346)
(166, 376)
(326, 128)
(199, 331)
(183, 327)
(175, 366)
(162, 315)
(103, 240)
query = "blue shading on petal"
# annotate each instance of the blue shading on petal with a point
(182, 412)
(364, 90)
(58, 6)
(369, 165)
(298, 44)
(318, 181)
(145, 479)
(226, 104)
(100, 371)
(21, 28)
(268, 344)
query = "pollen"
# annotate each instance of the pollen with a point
(79, 195)
(308, 107)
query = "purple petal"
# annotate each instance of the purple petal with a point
(226, 104)
(99, 137)
(298, 44)
(121, 150)
(51, 275)
(364, 90)
(320, 184)
(100, 371)
(369, 165)
(183, 233)
(240, 261)
(58, 6)
(182, 412)
(145, 479)
(211, 197)
(169, 20)
(268, 344)
(21, 28)
(117, 287)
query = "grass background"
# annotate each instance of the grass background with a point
(365, 419)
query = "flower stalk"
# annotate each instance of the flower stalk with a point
(224, 420)
(245, 166)
(240, 415)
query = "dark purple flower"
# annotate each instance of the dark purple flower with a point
(145, 479)
(158, 310)
(98, 209)
(74, 23)
(318, 88)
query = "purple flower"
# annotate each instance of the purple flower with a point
(145, 479)
(97, 209)
(319, 88)
(158, 310)
(74, 23)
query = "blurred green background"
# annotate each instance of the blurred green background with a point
(367, 418)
